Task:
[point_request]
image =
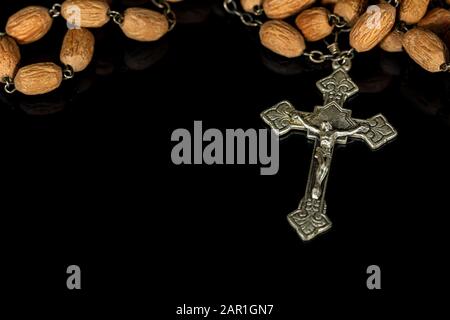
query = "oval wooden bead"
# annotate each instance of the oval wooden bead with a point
(144, 25)
(280, 9)
(282, 38)
(29, 24)
(9, 57)
(437, 20)
(411, 11)
(314, 24)
(425, 48)
(249, 5)
(77, 49)
(392, 42)
(350, 10)
(85, 13)
(372, 27)
(38, 78)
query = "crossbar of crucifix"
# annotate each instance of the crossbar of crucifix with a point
(328, 125)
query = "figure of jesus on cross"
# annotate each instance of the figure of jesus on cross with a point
(327, 125)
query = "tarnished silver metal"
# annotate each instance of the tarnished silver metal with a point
(55, 10)
(116, 16)
(248, 19)
(167, 11)
(328, 125)
(336, 21)
(9, 85)
(2, 34)
(68, 72)
(394, 3)
(445, 67)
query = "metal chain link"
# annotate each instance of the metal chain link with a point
(248, 19)
(9, 85)
(167, 11)
(116, 16)
(68, 72)
(55, 10)
(394, 3)
(445, 67)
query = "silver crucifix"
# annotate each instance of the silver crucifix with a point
(327, 125)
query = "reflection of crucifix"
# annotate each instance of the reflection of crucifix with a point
(327, 125)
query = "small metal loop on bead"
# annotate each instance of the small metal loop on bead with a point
(116, 16)
(9, 85)
(258, 10)
(2, 34)
(445, 67)
(394, 3)
(167, 11)
(337, 21)
(402, 27)
(68, 72)
(246, 18)
(55, 10)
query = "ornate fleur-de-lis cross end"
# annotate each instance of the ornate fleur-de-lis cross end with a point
(327, 125)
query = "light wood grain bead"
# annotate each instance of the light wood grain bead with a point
(280, 9)
(350, 10)
(144, 25)
(314, 23)
(77, 49)
(9, 57)
(411, 11)
(436, 20)
(372, 27)
(282, 38)
(38, 78)
(425, 48)
(250, 5)
(85, 13)
(29, 24)
(392, 42)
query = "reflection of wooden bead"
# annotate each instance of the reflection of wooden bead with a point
(77, 49)
(85, 13)
(29, 24)
(10, 57)
(425, 48)
(38, 78)
(144, 25)
(282, 38)
(314, 23)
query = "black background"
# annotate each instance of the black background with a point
(87, 179)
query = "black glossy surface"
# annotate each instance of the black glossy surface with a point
(93, 184)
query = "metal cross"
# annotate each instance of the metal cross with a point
(327, 125)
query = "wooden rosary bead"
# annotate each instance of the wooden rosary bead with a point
(372, 27)
(280, 9)
(314, 23)
(144, 25)
(9, 57)
(392, 42)
(425, 48)
(77, 49)
(29, 24)
(282, 38)
(350, 10)
(249, 5)
(437, 20)
(86, 13)
(38, 78)
(411, 11)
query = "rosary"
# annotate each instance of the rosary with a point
(31, 23)
(392, 25)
